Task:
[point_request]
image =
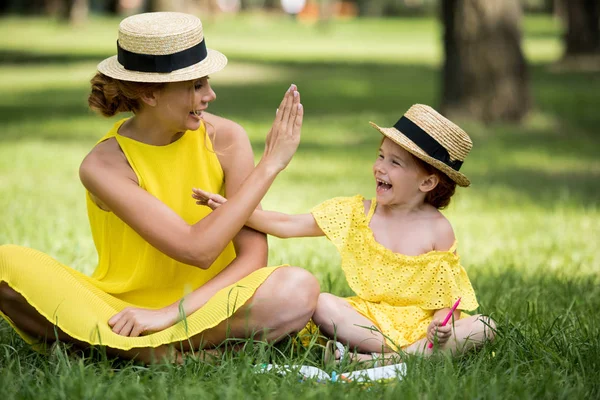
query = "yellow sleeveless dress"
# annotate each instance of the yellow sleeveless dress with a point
(130, 271)
(398, 293)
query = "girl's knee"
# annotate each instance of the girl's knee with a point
(326, 303)
(327, 309)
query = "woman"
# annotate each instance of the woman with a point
(169, 271)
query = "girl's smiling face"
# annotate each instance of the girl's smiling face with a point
(180, 104)
(397, 175)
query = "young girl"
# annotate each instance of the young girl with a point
(398, 251)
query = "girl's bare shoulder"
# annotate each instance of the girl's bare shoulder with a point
(442, 230)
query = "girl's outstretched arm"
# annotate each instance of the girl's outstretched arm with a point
(270, 222)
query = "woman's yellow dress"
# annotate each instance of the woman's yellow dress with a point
(398, 293)
(130, 271)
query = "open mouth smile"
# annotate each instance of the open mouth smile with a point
(383, 186)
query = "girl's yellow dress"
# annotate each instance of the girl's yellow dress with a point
(398, 293)
(130, 271)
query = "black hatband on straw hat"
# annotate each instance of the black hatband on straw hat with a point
(161, 63)
(427, 143)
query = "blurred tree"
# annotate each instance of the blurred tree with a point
(72, 11)
(380, 8)
(583, 27)
(167, 5)
(485, 73)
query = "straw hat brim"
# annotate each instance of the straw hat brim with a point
(401, 140)
(214, 62)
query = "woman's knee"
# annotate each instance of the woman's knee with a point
(295, 288)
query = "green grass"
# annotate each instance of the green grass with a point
(528, 227)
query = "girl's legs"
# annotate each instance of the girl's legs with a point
(468, 333)
(282, 304)
(337, 319)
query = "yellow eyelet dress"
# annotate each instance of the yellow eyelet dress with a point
(130, 271)
(398, 293)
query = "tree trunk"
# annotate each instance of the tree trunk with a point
(72, 11)
(485, 73)
(168, 5)
(583, 27)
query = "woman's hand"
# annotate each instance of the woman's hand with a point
(208, 199)
(443, 333)
(284, 135)
(138, 321)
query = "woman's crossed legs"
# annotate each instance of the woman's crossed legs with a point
(283, 304)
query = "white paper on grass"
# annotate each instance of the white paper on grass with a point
(396, 371)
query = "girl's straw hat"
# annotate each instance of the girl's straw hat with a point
(430, 136)
(161, 47)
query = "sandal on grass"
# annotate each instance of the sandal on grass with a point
(335, 352)
(331, 347)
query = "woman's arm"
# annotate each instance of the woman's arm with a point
(237, 160)
(107, 176)
(270, 222)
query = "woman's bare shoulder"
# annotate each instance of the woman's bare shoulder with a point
(105, 155)
(103, 162)
(228, 132)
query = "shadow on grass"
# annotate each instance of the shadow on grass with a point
(16, 57)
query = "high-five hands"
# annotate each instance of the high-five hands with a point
(284, 136)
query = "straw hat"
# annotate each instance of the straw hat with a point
(430, 136)
(162, 47)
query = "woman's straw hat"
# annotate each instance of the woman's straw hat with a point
(430, 136)
(162, 47)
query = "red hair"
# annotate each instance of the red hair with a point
(110, 96)
(440, 196)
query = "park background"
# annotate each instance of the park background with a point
(528, 227)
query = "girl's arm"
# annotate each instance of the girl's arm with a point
(270, 222)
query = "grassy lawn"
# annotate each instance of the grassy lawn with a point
(528, 228)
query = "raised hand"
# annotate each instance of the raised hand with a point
(284, 135)
(208, 199)
(138, 321)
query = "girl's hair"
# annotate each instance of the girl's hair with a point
(440, 196)
(110, 96)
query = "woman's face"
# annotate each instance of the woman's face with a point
(180, 104)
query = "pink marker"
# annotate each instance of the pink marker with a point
(445, 321)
